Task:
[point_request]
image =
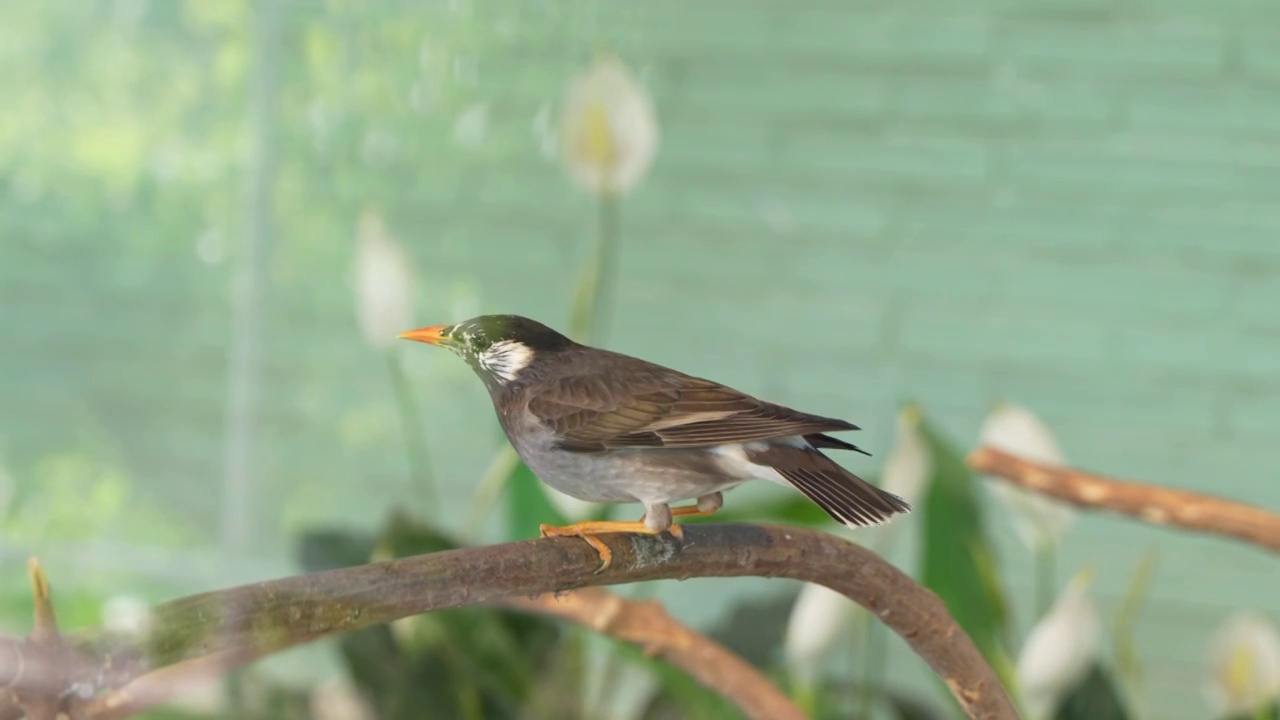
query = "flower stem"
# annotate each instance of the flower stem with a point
(593, 301)
(421, 479)
(1046, 577)
(877, 658)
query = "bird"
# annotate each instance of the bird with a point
(606, 427)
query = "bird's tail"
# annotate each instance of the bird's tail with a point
(843, 495)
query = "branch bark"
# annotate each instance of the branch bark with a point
(648, 625)
(1151, 503)
(253, 620)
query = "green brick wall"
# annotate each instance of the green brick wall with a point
(1071, 205)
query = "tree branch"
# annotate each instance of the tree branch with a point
(648, 625)
(1151, 503)
(253, 620)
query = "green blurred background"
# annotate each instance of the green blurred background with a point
(1069, 204)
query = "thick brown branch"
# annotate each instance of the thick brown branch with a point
(648, 625)
(1152, 503)
(257, 619)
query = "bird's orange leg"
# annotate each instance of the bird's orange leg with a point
(706, 505)
(588, 530)
(691, 511)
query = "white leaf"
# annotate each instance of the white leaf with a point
(608, 129)
(1243, 664)
(1060, 649)
(1040, 521)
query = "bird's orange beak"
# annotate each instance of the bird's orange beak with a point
(428, 335)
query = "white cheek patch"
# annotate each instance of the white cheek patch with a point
(506, 359)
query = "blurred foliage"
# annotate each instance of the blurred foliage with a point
(1271, 712)
(958, 562)
(465, 663)
(477, 662)
(1096, 697)
(121, 182)
(527, 505)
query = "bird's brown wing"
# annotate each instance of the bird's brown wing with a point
(648, 406)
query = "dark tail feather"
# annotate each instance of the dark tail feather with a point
(827, 442)
(843, 495)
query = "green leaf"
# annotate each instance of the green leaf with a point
(958, 561)
(837, 700)
(1271, 712)
(1096, 697)
(680, 696)
(755, 628)
(906, 707)
(527, 505)
(790, 510)
(1128, 664)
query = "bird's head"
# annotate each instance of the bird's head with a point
(497, 347)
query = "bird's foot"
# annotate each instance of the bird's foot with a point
(588, 531)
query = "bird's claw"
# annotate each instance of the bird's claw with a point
(588, 531)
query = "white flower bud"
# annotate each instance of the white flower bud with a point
(910, 464)
(1060, 649)
(1040, 521)
(383, 283)
(608, 129)
(1243, 665)
(818, 620)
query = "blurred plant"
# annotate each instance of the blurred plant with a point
(339, 699)
(1244, 667)
(958, 560)
(467, 663)
(608, 140)
(907, 471)
(1060, 650)
(908, 467)
(569, 507)
(1128, 662)
(8, 489)
(383, 282)
(383, 287)
(1040, 522)
(126, 614)
(86, 496)
(608, 129)
(819, 619)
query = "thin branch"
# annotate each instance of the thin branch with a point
(253, 620)
(1151, 503)
(648, 625)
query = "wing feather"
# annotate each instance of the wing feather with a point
(663, 408)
